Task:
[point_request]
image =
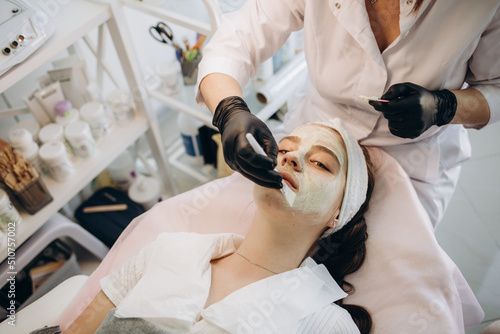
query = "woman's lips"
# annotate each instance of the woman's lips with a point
(290, 181)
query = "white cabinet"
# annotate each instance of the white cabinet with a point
(74, 20)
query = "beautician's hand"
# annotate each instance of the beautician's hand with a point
(412, 109)
(234, 120)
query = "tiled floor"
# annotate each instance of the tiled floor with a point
(470, 229)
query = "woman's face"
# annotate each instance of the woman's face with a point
(313, 163)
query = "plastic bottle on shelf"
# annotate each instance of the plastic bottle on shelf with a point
(95, 114)
(120, 102)
(8, 213)
(122, 171)
(264, 72)
(54, 132)
(29, 124)
(189, 129)
(54, 155)
(169, 73)
(51, 132)
(80, 138)
(65, 113)
(22, 140)
(146, 191)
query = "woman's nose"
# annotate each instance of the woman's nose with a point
(291, 160)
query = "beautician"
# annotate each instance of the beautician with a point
(415, 54)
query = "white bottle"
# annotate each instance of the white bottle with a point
(54, 132)
(287, 51)
(8, 213)
(120, 102)
(95, 114)
(145, 191)
(80, 138)
(54, 155)
(22, 140)
(189, 129)
(169, 73)
(264, 72)
(122, 171)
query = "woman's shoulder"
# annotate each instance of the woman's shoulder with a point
(330, 319)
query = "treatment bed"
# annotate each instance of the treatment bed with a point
(407, 282)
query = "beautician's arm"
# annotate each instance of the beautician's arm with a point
(412, 109)
(216, 87)
(472, 108)
(93, 316)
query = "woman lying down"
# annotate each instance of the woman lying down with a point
(263, 282)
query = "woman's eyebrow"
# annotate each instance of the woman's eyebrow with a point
(327, 151)
(293, 139)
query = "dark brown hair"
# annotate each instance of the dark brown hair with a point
(343, 252)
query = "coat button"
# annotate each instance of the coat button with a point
(409, 2)
(338, 5)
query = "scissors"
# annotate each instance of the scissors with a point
(162, 33)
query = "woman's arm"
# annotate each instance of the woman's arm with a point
(92, 317)
(217, 86)
(472, 108)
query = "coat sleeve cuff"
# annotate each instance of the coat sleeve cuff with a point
(492, 95)
(224, 65)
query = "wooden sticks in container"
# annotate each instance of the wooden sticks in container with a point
(22, 179)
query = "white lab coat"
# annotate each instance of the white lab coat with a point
(446, 43)
(167, 283)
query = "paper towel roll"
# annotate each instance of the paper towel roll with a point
(283, 80)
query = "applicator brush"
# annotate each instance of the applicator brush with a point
(287, 192)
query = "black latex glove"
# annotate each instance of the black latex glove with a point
(412, 109)
(234, 120)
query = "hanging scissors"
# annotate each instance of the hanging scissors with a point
(162, 33)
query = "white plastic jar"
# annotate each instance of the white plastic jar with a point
(8, 213)
(29, 124)
(54, 155)
(22, 140)
(169, 73)
(80, 138)
(120, 102)
(95, 114)
(51, 132)
(122, 171)
(146, 191)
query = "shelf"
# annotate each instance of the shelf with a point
(185, 102)
(72, 21)
(119, 140)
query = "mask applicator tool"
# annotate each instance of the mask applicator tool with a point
(287, 192)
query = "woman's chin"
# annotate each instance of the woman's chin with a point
(272, 198)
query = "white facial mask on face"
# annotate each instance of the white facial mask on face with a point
(318, 189)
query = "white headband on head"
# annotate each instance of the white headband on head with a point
(357, 176)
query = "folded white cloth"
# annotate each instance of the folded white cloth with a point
(357, 176)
